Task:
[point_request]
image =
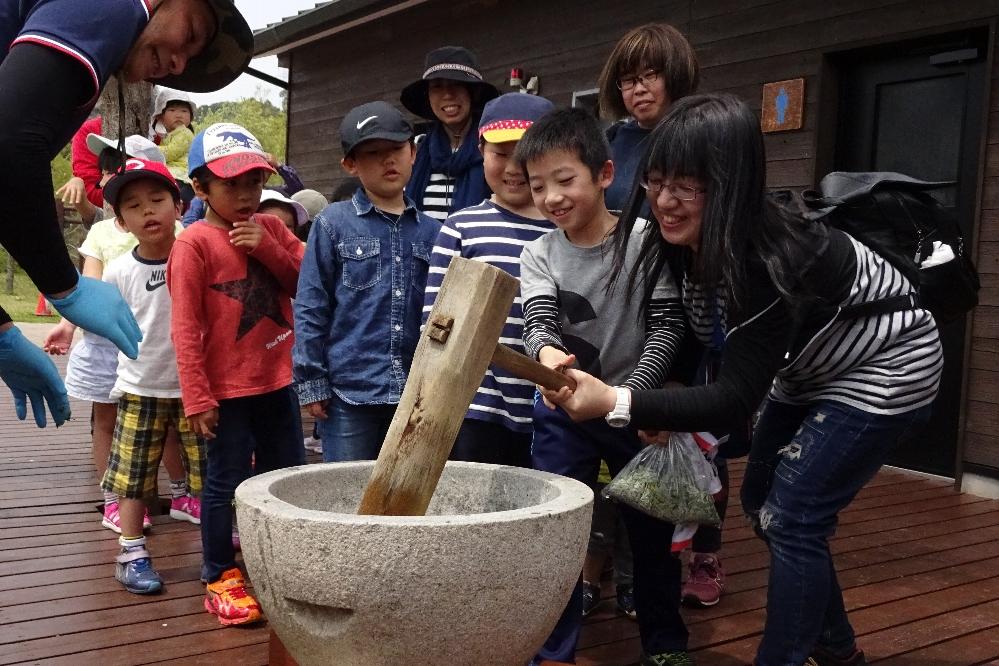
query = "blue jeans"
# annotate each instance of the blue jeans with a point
(807, 463)
(266, 426)
(354, 432)
(575, 450)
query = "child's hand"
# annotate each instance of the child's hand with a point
(317, 410)
(557, 360)
(203, 424)
(246, 234)
(60, 338)
(73, 192)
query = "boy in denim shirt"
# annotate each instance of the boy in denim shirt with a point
(360, 290)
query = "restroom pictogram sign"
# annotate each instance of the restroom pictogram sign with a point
(783, 104)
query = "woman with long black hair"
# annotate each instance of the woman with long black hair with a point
(769, 289)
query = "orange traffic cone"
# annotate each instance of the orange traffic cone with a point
(42, 309)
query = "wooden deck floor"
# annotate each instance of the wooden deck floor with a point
(918, 562)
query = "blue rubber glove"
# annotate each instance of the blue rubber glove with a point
(98, 307)
(31, 374)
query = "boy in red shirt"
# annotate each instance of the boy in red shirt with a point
(232, 276)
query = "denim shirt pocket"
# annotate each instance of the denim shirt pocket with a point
(361, 262)
(421, 265)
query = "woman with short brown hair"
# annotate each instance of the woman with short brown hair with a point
(651, 67)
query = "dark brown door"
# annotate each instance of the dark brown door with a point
(916, 108)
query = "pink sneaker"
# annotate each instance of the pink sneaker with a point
(706, 581)
(112, 519)
(236, 545)
(186, 508)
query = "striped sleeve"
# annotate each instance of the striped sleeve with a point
(541, 325)
(448, 245)
(665, 325)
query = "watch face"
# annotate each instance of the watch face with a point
(618, 420)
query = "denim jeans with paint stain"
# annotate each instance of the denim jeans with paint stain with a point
(807, 464)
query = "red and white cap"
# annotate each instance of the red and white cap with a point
(135, 169)
(228, 150)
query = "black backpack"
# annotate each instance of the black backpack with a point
(894, 215)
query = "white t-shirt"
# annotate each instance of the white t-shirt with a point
(142, 283)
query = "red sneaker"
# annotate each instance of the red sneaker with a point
(706, 581)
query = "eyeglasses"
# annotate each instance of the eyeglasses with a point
(656, 186)
(629, 82)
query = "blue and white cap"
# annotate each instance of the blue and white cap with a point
(228, 150)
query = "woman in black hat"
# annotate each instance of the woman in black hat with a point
(447, 175)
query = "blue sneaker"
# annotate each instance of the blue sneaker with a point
(134, 569)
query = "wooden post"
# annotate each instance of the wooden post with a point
(450, 360)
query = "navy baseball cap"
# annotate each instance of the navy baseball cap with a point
(507, 117)
(374, 120)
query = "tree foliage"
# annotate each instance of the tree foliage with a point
(264, 120)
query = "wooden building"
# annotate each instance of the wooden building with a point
(888, 85)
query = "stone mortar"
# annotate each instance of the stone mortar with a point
(481, 579)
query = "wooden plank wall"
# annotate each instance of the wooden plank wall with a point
(740, 44)
(981, 439)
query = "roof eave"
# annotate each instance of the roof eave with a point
(320, 22)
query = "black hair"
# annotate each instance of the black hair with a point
(109, 160)
(574, 131)
(716, 139)
(204, 176)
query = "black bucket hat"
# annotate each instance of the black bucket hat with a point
(454, 63)
(224, 57)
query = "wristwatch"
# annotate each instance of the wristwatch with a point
(620, 416)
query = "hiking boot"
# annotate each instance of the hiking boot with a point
(706, 581)
(134, 569)
(591, 598)
(823, 657)
(626, 601)
(186, 508)
(678, 658)
(228, 600)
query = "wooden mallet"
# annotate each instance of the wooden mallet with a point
(452, 356)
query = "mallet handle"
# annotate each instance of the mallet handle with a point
(524, 367)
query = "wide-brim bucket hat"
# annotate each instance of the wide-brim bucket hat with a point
(454, 63)
(224, 57)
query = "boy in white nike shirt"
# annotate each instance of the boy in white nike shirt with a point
(146, 199)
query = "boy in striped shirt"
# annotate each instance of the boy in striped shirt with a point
(498, 425)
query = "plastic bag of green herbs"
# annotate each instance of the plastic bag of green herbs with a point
(668, 482)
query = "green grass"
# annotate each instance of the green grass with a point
(21, 304)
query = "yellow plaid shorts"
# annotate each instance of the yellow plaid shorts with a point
(137, 446)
